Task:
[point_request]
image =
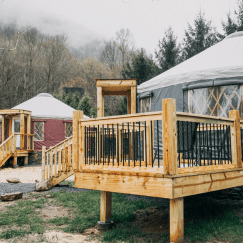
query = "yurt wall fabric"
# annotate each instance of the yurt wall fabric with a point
(51, 119)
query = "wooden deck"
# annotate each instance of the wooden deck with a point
(140, 175)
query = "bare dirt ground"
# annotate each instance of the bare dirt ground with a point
(26, 174)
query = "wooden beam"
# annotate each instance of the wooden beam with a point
(131, 184)
(100, 102)
(22, 130)
(236, 139)
(3, 127)
(176, 220)
(133, 99)
(205, 168)
(10, 126)
(28, 132)
(119, 83)
(116, 93)
(105, 206)
(129, 103)
(197, 184)
(77, 115)
(169, 129)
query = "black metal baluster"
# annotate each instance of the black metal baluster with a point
(113, 145)
(152, 147)
(85, 145)
(98, 155)
(128, 144)
(139, 140)
(183, 144)
(133, 144)
(158, 139)
(179, 142)
(103, 144)
(117, 146)
(123, 144)
(146, 164)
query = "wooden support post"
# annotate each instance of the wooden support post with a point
(69, 156)
(176, 220)
(236, 139)
(149, 144)
(3, 127)
(100, 102)
(14, 144)
(55, 160)
(77, 115)
(29, 132)
(133, 100)
(22, 130)
(129, 103)
(43, 163)
(169, 129)
(26, 160)
(10, 127)
(105, 207)
(15, 161)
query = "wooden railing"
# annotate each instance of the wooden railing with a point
(57, 159)
(7, 148)
(189, 142)
(26, 141)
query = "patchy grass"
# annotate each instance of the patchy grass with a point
(207, 222)
(21, 218)
(87, 209)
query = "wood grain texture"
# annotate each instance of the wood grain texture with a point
(169, 129)
(105, 206)
(137, 185)
(192, 185)
(236, 139)
(176, 219)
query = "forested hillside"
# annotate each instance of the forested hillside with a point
(33, 63)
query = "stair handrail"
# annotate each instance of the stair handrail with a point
(57, 145)
(57, 159)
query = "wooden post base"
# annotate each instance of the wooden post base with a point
(176, 220)
(15, 162)
(105, 206)
(26, 160)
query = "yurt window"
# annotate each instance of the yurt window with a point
(39, 131)
(146, 104)
(215, 101)
(68, 129)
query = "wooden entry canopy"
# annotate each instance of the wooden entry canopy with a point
(22, 114)
(125, 87)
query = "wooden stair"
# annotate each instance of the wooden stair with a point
(7, 149)
(57, 162)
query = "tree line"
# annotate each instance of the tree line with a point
(32, 63)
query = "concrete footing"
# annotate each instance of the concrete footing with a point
(103, 226)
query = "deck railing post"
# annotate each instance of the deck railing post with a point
(43, 162)
(236, 139)
(169, 130)
(77, 115)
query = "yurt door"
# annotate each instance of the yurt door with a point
(16, 129)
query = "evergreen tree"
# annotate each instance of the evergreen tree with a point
(141, 67)
(168, 53)
(84, 105)
(230, 26)
(199, 37)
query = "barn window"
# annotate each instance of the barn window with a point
(215, 101)
(39, 131)
(68, 129)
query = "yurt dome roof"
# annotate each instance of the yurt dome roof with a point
(224, 60)
(44, 105)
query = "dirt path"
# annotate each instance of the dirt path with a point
(26, 174)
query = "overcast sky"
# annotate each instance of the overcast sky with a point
(85, 20)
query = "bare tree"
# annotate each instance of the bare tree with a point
(124, 40)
